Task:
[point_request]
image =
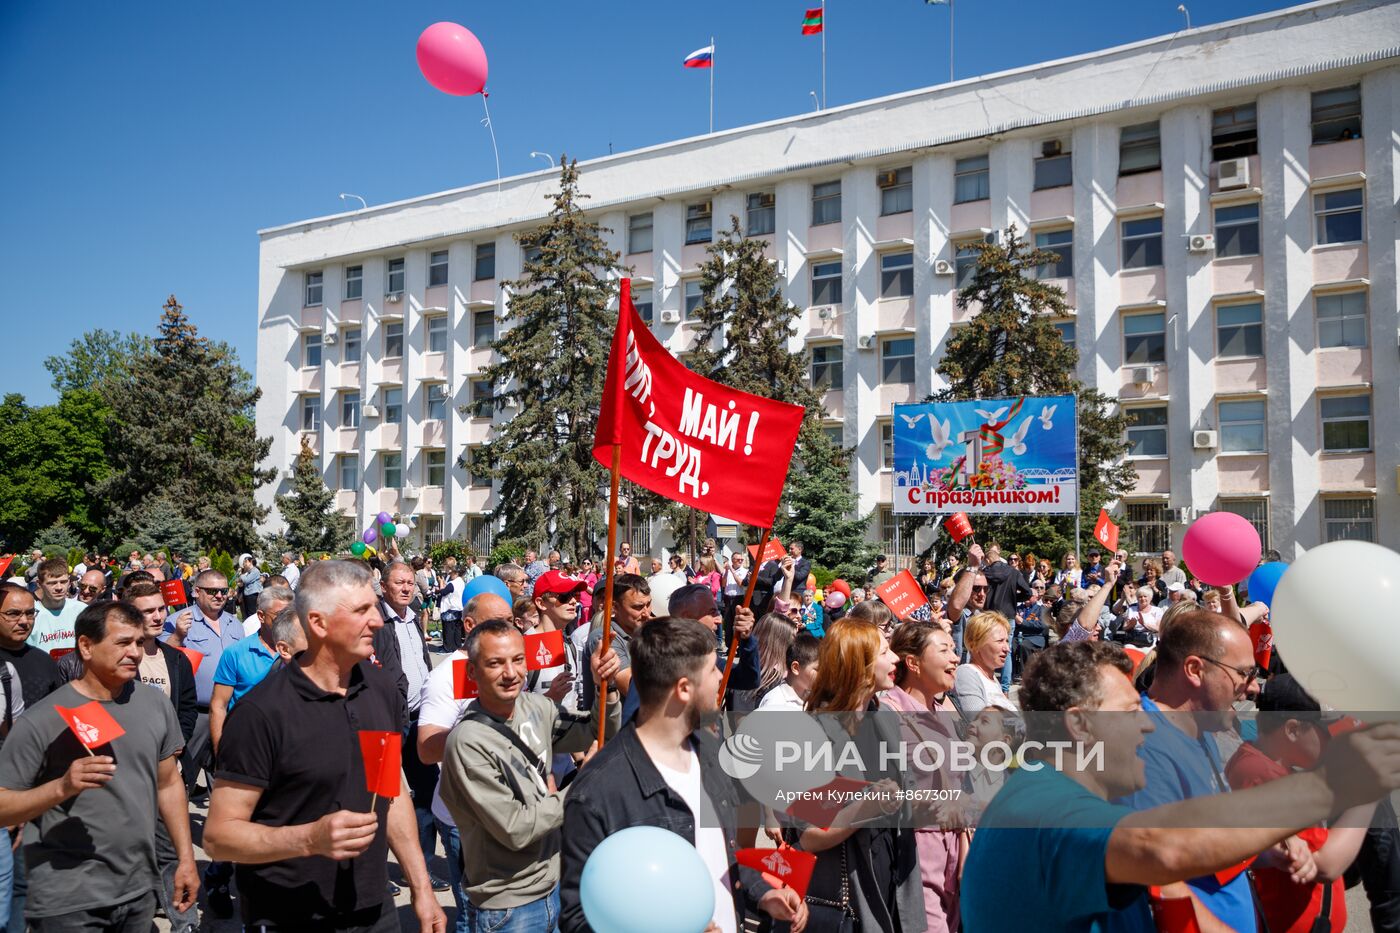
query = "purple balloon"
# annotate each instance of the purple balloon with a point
(383, 518)
(369, 535)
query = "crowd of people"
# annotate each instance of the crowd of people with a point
(272, 680)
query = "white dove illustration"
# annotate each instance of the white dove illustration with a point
(1018, 440)
(941, 437)
(991, 415)
(911, 421)
(1045, 415)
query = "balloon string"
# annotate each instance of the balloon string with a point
(487, 107)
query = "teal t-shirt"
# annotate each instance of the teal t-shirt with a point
(1037, 862)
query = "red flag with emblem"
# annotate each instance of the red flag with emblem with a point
(463, 687)
(784, 867)
(383, 754)
(1105, 532)
(544, 649)
(92, 724)
(688, 438)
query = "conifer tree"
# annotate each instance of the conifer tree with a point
(160, 526)
(313, 522)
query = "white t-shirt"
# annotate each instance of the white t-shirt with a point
(709, 840)
(55, 629)
(293, 574)
(440, 708)
(451, 600)
(782, 697)
(16, 697)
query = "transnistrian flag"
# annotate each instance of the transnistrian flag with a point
(700, 58)
(812, 22)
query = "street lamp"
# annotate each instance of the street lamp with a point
(815, 103)
(543, 155)
(363, 205)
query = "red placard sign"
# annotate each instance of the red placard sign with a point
(902, 594)
(543, 650)
(774, 551)
(463, 687)
(173, 592)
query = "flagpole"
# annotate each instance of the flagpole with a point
(606, 644)
(712, 84)
(748, 598)
(823, 54)
(950, 41)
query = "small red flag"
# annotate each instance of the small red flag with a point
(92, 724)
(1172, 914)
(1226, 875)
(383, 754)
(173, 592)
(774, 551)
(812, 22)
(902, 594)
(822, 804)
(195, 658)
(57, 653)
(1105, 532)
(784, 867)
(958, 526)
(463, 687)
(1262, 634)
(5, 563)
(544, 649)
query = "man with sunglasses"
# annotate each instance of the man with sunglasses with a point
(969, 594)
(1205, 665)
(92, 586)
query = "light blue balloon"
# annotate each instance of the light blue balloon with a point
(487, 583)
(1263, 581)
(645, 879)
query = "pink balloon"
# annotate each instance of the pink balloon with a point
(1221, 548)
(452, 59)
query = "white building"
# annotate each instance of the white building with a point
(1225, 202)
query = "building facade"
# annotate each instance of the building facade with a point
(1224, 203)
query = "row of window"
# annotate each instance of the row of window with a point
(391, 470)
(1344, 518)
(483, 330)
(391, 406)
(1345, 419)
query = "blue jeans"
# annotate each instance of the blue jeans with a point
(452, 848)
(541, 916)
(7, 877)
(20, 893)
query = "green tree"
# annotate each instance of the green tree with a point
(49, 458)
(1011, 347)
(821, 509)
(161, 526)
(450, 547)
(57, 540)
(313, 522)
(100, 360)
(551, 365)
(186, 427)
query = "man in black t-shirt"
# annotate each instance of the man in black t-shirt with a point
(38, 673)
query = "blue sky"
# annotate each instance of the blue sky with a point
(147, 142)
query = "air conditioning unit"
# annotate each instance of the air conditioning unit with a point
(329, 339)
(780, 268)
(887, 179)
(1142, 376)
(767, 200)
(1203, 440)
(1200, 243)
(410, 491)
(1178, 515)
(394, 298)
(865, 342)
(943, 267)
(825, 312)
(1051, 147)
(369, 410)
(289, 474)
(670, 317)
(704, 207)
(1233, 173)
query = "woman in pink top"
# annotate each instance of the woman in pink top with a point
(585, 596)
(708, 574)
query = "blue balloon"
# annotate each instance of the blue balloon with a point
(487, 583)
(645, 879)
(1263, 581)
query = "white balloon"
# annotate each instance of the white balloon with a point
(1335, 618)
(401, 530)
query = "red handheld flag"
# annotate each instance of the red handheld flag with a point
(1172, 914)
(173, 592)
(688, 438)
(781, 867)
(5, 563)
(383, 753)
(92, 724)
(1105, 532)
(773, 551)
(822, 804)
(544, 649)
(902, 594)
(958, 526)
(195, 658)
(463, 687)
(1262, 634)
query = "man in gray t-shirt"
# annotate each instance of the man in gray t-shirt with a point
(89, 838)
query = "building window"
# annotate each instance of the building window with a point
(1255, 511)
(437, 333)
(350, 346)
(639, 233)
(965, 262)
(828, 367)
(1338, 216)
(971, 180)
(396, 280)
(1142, 243)
(836, 434)
(349, 409)
(1148, 521)
(310, 350)
(1061, 243)
(1237, 230)
(826, 283)
(349, 471)
(311, 412)
(643, 301)
(1336, 115)
(393, 405)
(896, 191)
(393, 339)
(1054, 170)
(479, 533)
(483, 327)
(532, 253)
(897, 360)
(434, 467)
(1147, 431)
(354, 282)
(1341, 320)
(1234, 133)
(432, 530)
(694, 298)
(1349, 519)
(1144, 339)
(393, 470)
(1140, 148)
(826, 203)
(313, 288)
(886, 445)
(897, 275)
(1241, 426)
(761, 213)
(1066, 329)
(699, 223)
(476, 476)
(482, 400)
(1346, 423)
(485, 266)
(1239, 330)
(435, 401)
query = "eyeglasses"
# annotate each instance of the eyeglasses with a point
(90, 589)
(979, 589)
(213, 590)
(1254, 672)
(14, 615)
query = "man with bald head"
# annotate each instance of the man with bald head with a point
(92, 586)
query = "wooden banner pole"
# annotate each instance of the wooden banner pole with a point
(748, 598)
(606, 645)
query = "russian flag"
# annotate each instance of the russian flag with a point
(700, 58)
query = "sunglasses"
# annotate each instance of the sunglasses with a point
(213, 590)
(979, 589)
(90, 589)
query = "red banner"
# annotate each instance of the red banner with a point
(781, 867)
(92, 724)
(774, 551)
(1105, 532)
(383, 754)
(1172, 914)
(196, 657)
(463, 687)
(902, 594)
(544, 649)
(688, 438)
(173, 592)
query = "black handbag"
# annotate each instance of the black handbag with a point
(827, 916)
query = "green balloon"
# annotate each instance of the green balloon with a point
(358, 548)
(387, 530)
